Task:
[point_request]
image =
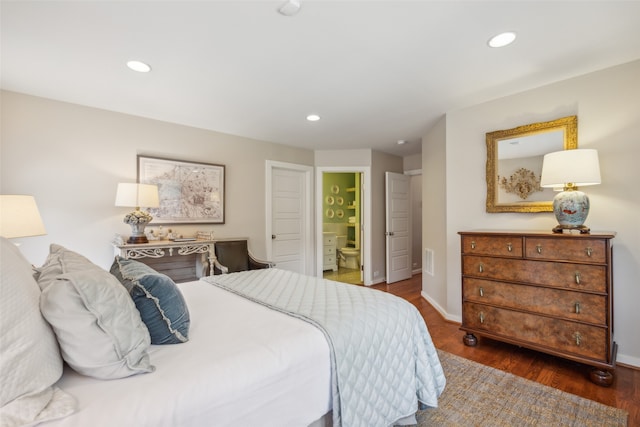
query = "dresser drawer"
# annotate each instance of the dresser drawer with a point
(564, 304)
(510, 246)
(328, 239)
(329, 260)
(329, 250)
(557, 274)
(579, 249)
(554, 334)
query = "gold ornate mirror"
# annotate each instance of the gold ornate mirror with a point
(514, 164)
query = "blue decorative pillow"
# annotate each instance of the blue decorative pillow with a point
(157, 298)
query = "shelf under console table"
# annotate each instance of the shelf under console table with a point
(548, 292)
(182, 261)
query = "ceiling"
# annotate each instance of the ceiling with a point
(375, 71)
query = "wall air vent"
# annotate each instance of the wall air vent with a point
(428, 261)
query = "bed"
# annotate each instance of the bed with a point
(260, 350)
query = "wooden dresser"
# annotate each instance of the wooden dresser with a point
(547, 292)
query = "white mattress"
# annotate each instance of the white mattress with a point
(244, 365)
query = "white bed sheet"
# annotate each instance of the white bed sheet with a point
(244, 365)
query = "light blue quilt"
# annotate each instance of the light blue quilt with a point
(384, 364)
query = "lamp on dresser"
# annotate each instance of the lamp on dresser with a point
(19, 217)
(567, 170)
(137, 195)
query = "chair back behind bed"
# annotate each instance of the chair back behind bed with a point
(233, 256)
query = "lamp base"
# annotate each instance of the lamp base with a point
(137, 239)
(571, 208)
(560, 228)
(138, 220)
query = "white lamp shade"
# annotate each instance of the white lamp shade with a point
(137, 195)
(579, 167)
(19, 217)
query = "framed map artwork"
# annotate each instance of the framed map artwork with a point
(190, 192)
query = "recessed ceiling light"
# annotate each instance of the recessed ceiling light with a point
(290, 8)
(139, 66)
(313, 117)
(502, 39)
(402, 142)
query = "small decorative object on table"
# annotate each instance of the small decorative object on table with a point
(204, 235)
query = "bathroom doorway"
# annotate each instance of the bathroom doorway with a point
(342, 219)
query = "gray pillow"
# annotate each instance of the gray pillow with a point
(157, 298)
(98, 328)
(30, 362)
(60, 260)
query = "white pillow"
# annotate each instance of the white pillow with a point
(30, 361)
(98, 327)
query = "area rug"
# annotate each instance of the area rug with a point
(478, 395)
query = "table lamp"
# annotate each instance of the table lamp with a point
(567, 170)
(19, 217)
(137, 195)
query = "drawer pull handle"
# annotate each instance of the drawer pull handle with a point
(539, 248)
(577, 308)
(481, 317)
(473, 244)
(509, 247)
(578, 338)
(577, 277)
(481, 268)
(481, 292)
(589, 252)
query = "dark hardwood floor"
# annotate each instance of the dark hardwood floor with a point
(552, 371)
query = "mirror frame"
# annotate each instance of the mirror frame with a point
(569, 125)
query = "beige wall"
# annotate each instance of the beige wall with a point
(434, 219)
(342, 158)
(412, 165)
(416, 222)
(71, 158)
(607, 104)
(412, 162)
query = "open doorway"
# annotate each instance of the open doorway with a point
(342, 241)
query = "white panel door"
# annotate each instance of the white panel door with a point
(398, 226)
(288, 220)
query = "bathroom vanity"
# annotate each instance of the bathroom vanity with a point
(329, 261)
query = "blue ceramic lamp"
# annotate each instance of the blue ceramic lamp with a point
(567, 170)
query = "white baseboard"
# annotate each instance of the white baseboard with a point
(440, 310)
(631, 361)
(380, 280)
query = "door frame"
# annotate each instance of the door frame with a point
(365, 219)
(307, 206)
